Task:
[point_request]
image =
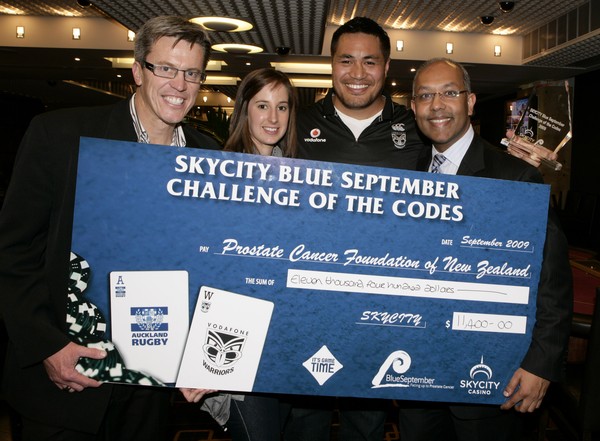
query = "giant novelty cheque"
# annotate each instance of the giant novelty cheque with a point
(220, 270)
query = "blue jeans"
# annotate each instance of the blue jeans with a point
(440, 422)
(256, 418)
(360, 419)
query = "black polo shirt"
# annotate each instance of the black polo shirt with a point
(390, 141)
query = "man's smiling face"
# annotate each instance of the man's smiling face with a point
(443, 121)
(358, 74)
(166, 101)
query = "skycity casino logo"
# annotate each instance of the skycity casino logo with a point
(150, 327)
(481, 380)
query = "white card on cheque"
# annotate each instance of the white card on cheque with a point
(225, 341)
(150, 320)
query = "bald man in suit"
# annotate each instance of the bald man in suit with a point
(443, 103)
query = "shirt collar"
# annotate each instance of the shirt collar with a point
(142, 135)
(386, 114)
(456, 152)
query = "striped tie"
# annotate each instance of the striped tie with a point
(438, 160)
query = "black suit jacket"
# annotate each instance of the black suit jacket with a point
(546, 356)
(35, 240)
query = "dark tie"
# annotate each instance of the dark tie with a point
(438, 160)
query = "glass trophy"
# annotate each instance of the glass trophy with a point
(544, 125)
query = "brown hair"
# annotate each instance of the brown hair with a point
(169, 26)
(239, 133)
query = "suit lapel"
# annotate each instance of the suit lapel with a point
(473, 161)
(424, 159)
(119, 124)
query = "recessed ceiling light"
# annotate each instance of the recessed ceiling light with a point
(313, 83)
(12, 10)
(506, 6)
(126, 63)
(233, 48)
(212, 80)
(303, 68)
(222, 24)
(486, 19)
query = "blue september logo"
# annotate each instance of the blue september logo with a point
(390, 372)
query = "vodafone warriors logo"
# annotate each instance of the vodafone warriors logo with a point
(399, 135)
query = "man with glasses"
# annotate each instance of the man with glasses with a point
(40, 380)
(443, 103)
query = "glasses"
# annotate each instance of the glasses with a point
(446, 95)
(189, 75)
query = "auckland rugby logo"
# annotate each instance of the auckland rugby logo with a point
(150, 327)
(150, 319)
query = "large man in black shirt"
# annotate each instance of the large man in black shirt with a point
(356, 123)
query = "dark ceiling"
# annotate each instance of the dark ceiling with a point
(297, 24)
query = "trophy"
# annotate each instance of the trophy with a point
(544, 126)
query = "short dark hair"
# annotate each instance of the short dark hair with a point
(465, 74)
(170, 26)
(362, 25)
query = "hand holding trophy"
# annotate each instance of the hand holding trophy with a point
(546, 120)
(531, 152)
